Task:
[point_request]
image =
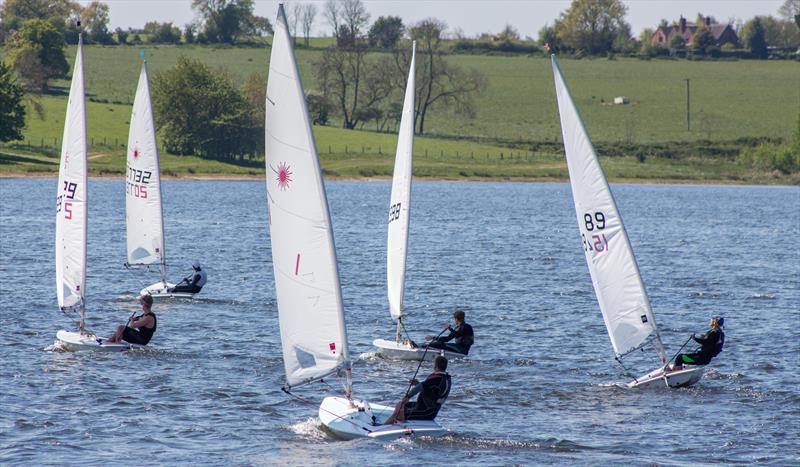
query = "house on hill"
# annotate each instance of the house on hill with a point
(723, 33)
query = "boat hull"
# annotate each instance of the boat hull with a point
(159, 290)
(354, 419)
(394, 350)
(674, 379)
(77, 342)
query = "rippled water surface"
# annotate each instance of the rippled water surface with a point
(537, 388)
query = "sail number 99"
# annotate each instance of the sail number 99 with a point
(598, 241)
(394, 212)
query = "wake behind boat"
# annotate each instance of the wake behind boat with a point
(310, 310)
(615, 274)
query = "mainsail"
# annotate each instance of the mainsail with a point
(400, 201)
(310, 308)
(612, 265)
(71, 198)
(143, 212)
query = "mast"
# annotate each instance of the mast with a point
(616, 278)
(310, 309)
(400, 203)
(163, 264)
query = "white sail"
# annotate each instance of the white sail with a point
(400, 201)
(615, 274)
(307, 286)
(71, 198)
(143, 213)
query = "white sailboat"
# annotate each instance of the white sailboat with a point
(71, 218)
(310, 311)
(615, 275)
(397, 236)
(144, 218)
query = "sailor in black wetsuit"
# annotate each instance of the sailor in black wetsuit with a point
(139, 329)
(710, 346)
(432, 394)
(461, 335)
(193, 283)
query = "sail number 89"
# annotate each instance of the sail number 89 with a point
(598, 241)
(599, 221)
(394, 212)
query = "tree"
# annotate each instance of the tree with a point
(12, 111)
(438, 82)
(353, 83)
(162, 33)
(228, 20)
(703, 40)
(122, 35)
(201, 112)
(188, 33)
(94, 19)
(254, 90)
(346, 17)
(309, 12)
(755, 38)
(36, 52)
(549, 39)
(319, 108)
(592, 25)
(781, 33)
(789, 10)
(15, 12)
(508, 34)
(386, 31)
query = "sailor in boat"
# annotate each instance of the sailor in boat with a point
(432, 394)
(710, 346)
(140, 329)
(192, 283)
(461, 335)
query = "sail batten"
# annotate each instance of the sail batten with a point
(71, 197)
(310, 311)
(143, 201)
(615, 275)
(400, 200)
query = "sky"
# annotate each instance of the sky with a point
(472, 17)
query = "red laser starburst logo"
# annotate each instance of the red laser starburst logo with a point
(284, 175)
(135, 153)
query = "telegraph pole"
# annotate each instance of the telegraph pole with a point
(688, 115)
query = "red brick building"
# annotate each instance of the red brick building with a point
(723, 33)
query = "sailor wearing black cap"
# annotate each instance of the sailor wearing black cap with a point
(710, 346)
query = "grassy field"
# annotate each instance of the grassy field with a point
(730, 100)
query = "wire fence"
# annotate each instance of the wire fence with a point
(511, 156)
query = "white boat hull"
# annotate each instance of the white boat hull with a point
(674, 379)
(159, 290)
(359, 419)
(394, 350)
(77, 342)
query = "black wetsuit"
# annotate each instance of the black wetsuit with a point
(141, 335)
(432, 394)
(196, 284)
(464, 338)
(710, 346)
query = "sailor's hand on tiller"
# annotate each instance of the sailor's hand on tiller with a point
(413, 382)
(428, 338)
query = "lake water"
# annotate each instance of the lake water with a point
(537, 388)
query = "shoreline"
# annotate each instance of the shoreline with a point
(219, 177)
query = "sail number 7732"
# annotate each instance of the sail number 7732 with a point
(137, 182)
(597, 241)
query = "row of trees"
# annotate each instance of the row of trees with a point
(201, 112)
